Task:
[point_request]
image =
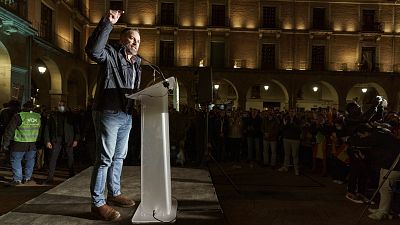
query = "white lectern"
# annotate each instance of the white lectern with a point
(156, 203)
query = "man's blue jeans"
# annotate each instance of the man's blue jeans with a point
(16, 159)
(112, 135)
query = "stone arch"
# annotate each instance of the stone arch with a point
(40, 86)
(227, 93)
(324, 96)
(365, 99)
(335, 94)
(55, 80)
(5, 74)
(276, 96)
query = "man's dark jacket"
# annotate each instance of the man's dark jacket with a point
(117, 76)
(66, 131)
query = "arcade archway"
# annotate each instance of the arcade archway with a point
(225, 94)
(365, 93)
(313, 95)
(5, 75)
(269, 95)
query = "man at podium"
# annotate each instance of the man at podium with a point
(119, 74)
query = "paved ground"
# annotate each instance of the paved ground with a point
(69, 202)
(12, 197)
(260, 196)
(265, 196)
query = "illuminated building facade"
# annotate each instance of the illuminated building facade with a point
(263, 54)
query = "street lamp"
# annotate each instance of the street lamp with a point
(364, 90)
(266, 87)
(41, 66)
(42, 69)
(315, 88)
(216, 86)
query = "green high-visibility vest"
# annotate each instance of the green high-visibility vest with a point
(28, 131)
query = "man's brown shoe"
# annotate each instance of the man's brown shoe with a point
(105, 212)
(120, 201)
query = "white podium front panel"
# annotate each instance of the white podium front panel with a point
(156, 204)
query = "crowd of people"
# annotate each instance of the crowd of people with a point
(35, 137)
(327, 142)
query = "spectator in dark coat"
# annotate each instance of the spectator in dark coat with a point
(383, 147)
(10, 109)
(61, 132)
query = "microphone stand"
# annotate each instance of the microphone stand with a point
(158, 70)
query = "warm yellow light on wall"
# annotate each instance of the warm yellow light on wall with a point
(236, 22)
(387, 28)
(200, 22)
(337, 27)
(95, 17)
(301, 26)
(134, 21)
(302, 66)
(288, 65)
(64, 43)
(186, 22)
(251, 25)
(397, 29)
(148, 20)
(287, 25)
(351, 27)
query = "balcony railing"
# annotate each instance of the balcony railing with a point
(166, 21)
(276, 25)
(218, 23)
(318, 67)
(265, 66)
(324, 26)
(378, 67)
(79, 6)
(281, 65)
(58, 41)
(368, 67)
(164, 24)
(373, 27)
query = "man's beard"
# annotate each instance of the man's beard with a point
(130, 50)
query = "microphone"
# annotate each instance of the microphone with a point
(158, 70)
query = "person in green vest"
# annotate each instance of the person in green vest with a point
(20, 138)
